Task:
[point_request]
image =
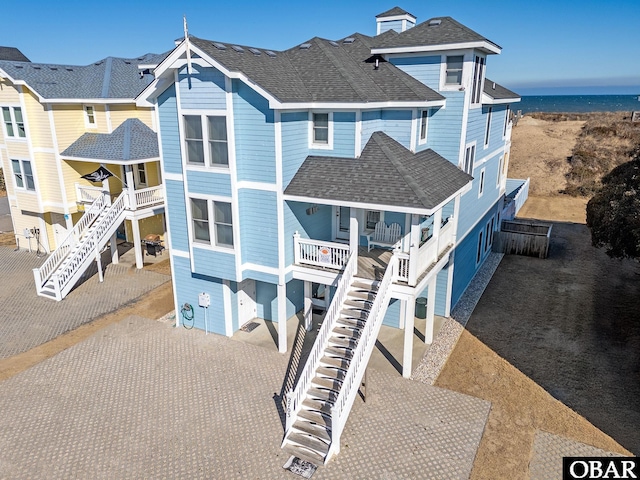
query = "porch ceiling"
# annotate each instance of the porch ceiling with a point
(131, 142)
(386, 175)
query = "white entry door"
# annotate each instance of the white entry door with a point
(343, 215)
(246, 301)
(59, 228)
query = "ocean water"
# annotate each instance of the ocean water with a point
(577, 103)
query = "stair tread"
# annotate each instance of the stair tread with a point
(311, 404)
(343, 341)
(366, 296)
(304, 454)
(325, 382)
(313, 443)
(356, 314)
(349, 331)
(316, 416)
(321, 432)
(340, 352)
(364, 286)
(337, 362)
(357, 304)
(329, 372)
(323, 394)
(350, 322)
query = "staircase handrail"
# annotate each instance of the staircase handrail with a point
(296, 396)
(357, 366)
(92, 241)
(74, 235)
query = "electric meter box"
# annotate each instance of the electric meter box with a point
(204, 300)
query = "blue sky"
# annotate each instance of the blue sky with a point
(586, 46)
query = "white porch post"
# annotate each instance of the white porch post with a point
(282, 318)
(437, 223)
(308, 307)
(131, 186)
(431, 309)
(414, 246)
(105, 189)
(113, 246)
(137, 243)
(409, 320)
(354, 235)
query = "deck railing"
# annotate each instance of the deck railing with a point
(295, 397)
(319, 253)
(86, 194)
(149, 196)
(141, 198)
(357, 366)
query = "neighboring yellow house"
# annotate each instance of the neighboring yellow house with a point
(60, 122)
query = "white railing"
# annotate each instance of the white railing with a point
(43, 273)
(86, 194)
(355, 372)
(522, 195)
(149, 196)
(89, 246)
(295, 397)
(403, 267)
(319, 253)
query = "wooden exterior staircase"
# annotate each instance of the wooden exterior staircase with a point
(318, 408)
(66, 265)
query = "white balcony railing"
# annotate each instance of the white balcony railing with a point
(319, 254)
(86, 194)
(142, 198)
(149, 196)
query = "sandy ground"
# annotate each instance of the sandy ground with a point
(583, 367)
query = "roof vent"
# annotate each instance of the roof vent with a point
(237, 48)
(36, 67)
(219, 46)
(349, 40)
(19, 66)
(333, 44)
(255, 51)
(493, 86)
(127, 62)
(305, 46)
(435, 22)
(270, 53)
(69, 69)
(53, 68)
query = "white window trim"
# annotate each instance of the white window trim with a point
(14, 123)
(320, 146)
(481, 186)
(136, 172)
(87, 123)
(480, 247)
(473, 160)
(23, 188)
(211, 245)
(487, 132)
(205, 139)
(443, 73)
(422, 118)
(506, 122)
(480, 85)
(499, 176)
(488, 231)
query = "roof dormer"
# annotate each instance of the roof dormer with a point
(395, 19)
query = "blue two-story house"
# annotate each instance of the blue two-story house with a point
(370, 168)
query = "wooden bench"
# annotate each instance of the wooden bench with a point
(384, 236)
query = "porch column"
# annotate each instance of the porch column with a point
(113, 246)
(282, 318)
(437, 223)
(414, 246)
(409, 320)
(130, 186)
(431, 309)
(105, 189)
(137, 243)
(354, 235)
(308, 306)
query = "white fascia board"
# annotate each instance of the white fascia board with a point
(482, 45)
(405, 16)
(111, 161)
(487, 100)
(366, 206)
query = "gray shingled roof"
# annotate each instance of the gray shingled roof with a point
(12, 54)
(132, 140)
(322, 71)
(108, 78)
(498, 92)
(447, 32)
(385, 174)
(394, 12)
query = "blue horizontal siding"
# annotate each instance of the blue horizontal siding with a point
(397, 124)
(445, 127)
(391, 25)
(371, 122)
(204, 88)
(170, 135)
(177, 215)
(188, 286)
(295, 297)
(258, 227)
(214, 263)
(316, 226)
(209, 183)
(295, 143)
(254, 135)
(441, 289)
(471, 207)
(392, 315)
(426, 69)
(259, 276)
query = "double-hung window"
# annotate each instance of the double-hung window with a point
(373, 217)
(13, 122)
(453, 74)
(424, 121)
(197, 128)
(212, 222)
(89, 116)
(23, 175)
(321, 130)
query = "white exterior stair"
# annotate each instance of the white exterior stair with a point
(317, 409)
